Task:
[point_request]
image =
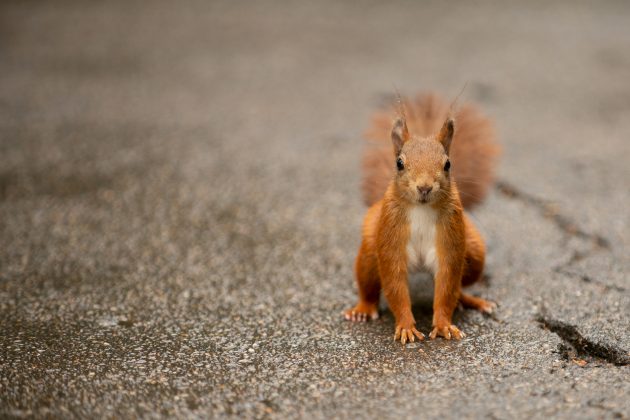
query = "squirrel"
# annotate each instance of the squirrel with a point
(416, 221)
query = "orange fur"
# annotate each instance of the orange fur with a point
(473, 154)
(423, 182)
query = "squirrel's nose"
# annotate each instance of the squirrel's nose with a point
(424, 191)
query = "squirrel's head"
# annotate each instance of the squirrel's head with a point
(422, 164)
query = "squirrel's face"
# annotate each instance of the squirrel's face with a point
(423, 167)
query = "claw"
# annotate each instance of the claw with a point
(407, 335)
(457, 334)
(449, 332)
(490, 308)
(418, 334)
(361, 313)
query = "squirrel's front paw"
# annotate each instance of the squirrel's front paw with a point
(447, 331)
(407, 332)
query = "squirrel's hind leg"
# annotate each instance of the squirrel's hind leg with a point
(477, 303)
(475, 255)
(369, 285)
(475, 260)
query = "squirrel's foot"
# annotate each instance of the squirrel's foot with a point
(362, 312)
(447, 331)
(477, 303)
(407, 332)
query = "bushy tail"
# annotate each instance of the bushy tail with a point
(473, 152)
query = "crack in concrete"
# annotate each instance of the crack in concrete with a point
(572, 341)
(551, 211)
(583, 346)
(588, 279)
(565, 269)
(564, 223)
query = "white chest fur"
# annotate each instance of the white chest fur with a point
(421, 254)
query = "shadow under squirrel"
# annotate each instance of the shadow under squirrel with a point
(416, 219)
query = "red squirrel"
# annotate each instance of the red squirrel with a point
(416, 219)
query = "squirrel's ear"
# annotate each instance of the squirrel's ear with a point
(445, 136)
(400, 134)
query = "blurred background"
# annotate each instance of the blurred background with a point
(180, 208)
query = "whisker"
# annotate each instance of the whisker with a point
(471, 195)
(469, 180)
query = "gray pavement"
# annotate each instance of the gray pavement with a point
(179, 209)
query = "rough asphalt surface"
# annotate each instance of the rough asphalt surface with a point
(179, 209)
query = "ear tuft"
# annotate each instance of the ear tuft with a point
(400, 134)
(445, 136)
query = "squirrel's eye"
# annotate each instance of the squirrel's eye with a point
(400, 164)
(447, 165)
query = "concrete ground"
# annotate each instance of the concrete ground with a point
(179, 209)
